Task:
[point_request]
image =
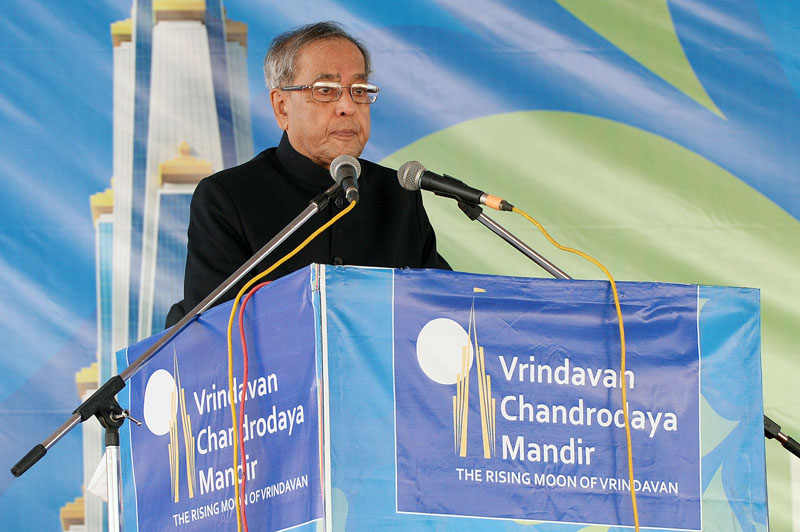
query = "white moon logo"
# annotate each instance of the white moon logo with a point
(159, 406)
(440, 347)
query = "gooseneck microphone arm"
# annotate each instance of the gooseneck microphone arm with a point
(413, 176)
(475, 212)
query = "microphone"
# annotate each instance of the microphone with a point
(413, 176)
(345, 170)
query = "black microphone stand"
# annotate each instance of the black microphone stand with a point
(102, 403)
(475, 212)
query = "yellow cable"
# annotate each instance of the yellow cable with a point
(244, 289)
(622, 349)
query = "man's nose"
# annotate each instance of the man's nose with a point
(345, 106)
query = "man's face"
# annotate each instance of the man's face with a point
(323, 131)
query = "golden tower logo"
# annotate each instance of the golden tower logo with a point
(188, 442)
(487, 403)
(165, 413)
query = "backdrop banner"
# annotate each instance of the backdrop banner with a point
(449, 396)
(659, 137)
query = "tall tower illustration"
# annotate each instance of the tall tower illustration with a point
(164, 260)
(179, 77)
(181, 111)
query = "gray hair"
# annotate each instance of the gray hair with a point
(280, 61)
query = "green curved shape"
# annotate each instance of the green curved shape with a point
(717, 513)
(645, 207)
(341, 507)
(644, 30)
(715, 427)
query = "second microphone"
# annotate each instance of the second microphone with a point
(413, 176)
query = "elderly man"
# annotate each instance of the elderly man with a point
(318, 77)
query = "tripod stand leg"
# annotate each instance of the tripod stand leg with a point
(114, 482)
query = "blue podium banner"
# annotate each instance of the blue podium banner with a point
(180, 473)
(399, 400)
(465, 402)
(520, 384)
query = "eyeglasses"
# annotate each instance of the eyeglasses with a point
(331, 91)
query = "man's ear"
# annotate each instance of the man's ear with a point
(278, 99)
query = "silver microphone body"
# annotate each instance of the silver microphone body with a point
(413, 176)
(345, 170)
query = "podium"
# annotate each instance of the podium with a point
(382, 399)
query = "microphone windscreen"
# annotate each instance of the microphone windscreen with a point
(409, 175)
(345, 166)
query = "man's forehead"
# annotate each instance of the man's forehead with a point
(318, 61)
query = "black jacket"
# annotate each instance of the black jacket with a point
(236, 211)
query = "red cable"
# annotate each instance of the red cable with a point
(242, 493)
